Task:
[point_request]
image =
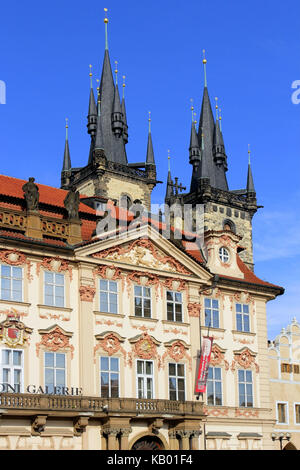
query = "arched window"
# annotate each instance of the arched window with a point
(229, 225)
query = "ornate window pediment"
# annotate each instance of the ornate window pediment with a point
(110, 342)
(244, 358)
(55, 339)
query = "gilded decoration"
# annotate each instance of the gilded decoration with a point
(13, 332)
(194, 309)
(245, 359)
(177, 350)
(55, 264)
(87, 293)
(55, 339)
(110, 342)
(142, 252)
(16, 258)
(217, 357)
(145, 347)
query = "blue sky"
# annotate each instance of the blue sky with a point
(253, 53)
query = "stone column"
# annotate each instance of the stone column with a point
(195, 440)
(185, 436)
(124, 438)
(173, 441)
(112, 438)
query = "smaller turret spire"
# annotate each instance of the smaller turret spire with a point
(169, 189)
(67, 158)
(123, 109)
(250, 182)
(92, 113)
(150, 153)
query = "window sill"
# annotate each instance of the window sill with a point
(170, 322)
(133, 317)
(53, 307)
(248, 333)
(14, 302)
(213, 328)
(108, 314)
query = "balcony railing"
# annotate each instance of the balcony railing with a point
(63, 403)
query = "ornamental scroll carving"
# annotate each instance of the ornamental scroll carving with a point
(108, 272)
(217, 357)
(55, 339)
(142, 252)
(13, 332)
(245, 359)
(110, 342)
(244, 298)
(177, 350)
(16, 258)
(144, 347)
(55, 264)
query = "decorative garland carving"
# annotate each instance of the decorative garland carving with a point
(111, 273)
(111, 344)
(54, 340)
(13, 332)
(143, 279)
(16, 258)
(145, 347)
(55, 264)
(245, 359)
(194, 309)
(140, 246)
(87, 293)
(176, 350)
(218, 357)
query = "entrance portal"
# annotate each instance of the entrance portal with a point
(148, 443)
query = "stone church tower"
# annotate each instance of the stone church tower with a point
(222, 208)
(107, 173)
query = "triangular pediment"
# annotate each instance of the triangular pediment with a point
(143, 249)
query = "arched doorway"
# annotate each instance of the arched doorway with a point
(148, 443)
(290, 446)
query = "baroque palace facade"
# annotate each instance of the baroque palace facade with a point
(103, 305)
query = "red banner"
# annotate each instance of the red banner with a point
(204, 364)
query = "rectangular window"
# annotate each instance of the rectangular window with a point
(11, 283)
(242, 317)
(297, 413)
(296, 369)
(55, 372)
(211, 313)
(174, 306)
(282, 413)
(54, 289)
(12, 370)
(214, 386)
(176, 382)
(109, 377)
(108, 296)
(145, 379)
(245, 388)
(142, 301)
(286, 368)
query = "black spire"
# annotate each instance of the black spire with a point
(67, 158)
(195, 157)
(99, 144)
(150, 153)
(170, 186)
(219, 159)
(205, 136)
(117, 115)
(250, 182)
(123, 109)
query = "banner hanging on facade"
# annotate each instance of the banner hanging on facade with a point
(204, 364)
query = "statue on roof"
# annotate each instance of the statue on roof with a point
(71, 203)
(31, 194)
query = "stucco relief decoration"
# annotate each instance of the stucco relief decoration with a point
(216, 412)
(244, 298)
(111, 273)
(54, 340)
(144, 347)
(143, 279)
(177, 351)
(110, 343)
(194, 309)
(142, 252)
(16, 258)
(13, 332)
(217, 357)
(55, 264)
(87, 293)
(245, 359)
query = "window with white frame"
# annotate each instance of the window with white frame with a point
(142, 301)
(245, 384)
(282, 412)
(11, 370)
(242, 317)
(214, 386)
(224, 255)
(108, 296)
(109, 377)
(297, 413)
(176, 381)
(55, 372)
(174, 306)
(145, 379)
(11, 283)
(54, 289)
(211, 313)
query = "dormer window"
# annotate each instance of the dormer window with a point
(224, 255)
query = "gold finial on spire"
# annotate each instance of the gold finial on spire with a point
(204, 61)
(220, 119)
(249, 154)
(91, 75)
(105, 22)
(192, 108)
(149, 120)
(67, 126)
(169, 158)
(116, 71)
(105, 12)
(195, 120)
(216, 99)
(123, 86)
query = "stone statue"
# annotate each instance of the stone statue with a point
(71, 203)
(31, 194)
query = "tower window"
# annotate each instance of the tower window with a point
(224, 255)
(229, 225)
